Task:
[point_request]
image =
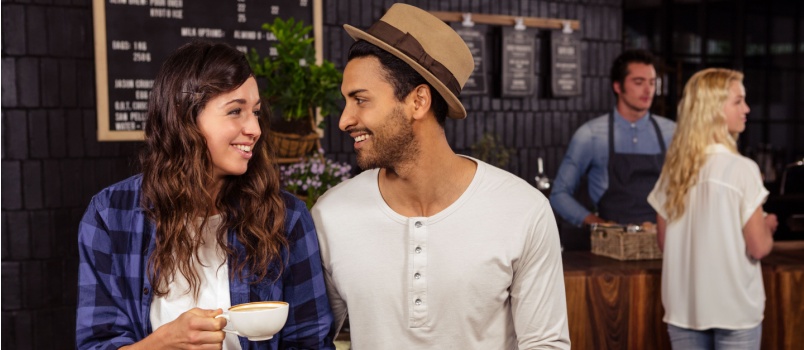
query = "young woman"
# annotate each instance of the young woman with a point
(711, 226)
(205, 226)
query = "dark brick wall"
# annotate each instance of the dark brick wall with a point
(51, 165)
(52, 162)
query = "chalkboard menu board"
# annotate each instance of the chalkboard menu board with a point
(134, 37)
(518, 62)
(565, 64)
(475, 38)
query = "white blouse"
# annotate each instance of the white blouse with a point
(213, 273)
(708, 278)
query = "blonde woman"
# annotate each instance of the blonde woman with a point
(711, 226)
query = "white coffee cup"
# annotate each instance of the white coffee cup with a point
(257, 320)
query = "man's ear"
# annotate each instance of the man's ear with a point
(422, 100)
(617, 87)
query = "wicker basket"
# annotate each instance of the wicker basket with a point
(293, 145)
(619, 243)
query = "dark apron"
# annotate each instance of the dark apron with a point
(631, 178)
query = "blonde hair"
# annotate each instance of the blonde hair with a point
(701, 122)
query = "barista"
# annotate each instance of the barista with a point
(621, 152)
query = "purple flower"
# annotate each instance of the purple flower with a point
(314, 175)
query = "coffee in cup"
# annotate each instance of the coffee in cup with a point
(256, 321)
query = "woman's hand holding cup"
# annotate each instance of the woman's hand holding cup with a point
(196, 327)
(193, 329)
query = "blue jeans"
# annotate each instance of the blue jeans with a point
(715, 338)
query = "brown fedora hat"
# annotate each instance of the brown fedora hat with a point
(428, 45)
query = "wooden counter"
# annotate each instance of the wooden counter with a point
(615, 304)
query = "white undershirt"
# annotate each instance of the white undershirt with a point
(213, 273)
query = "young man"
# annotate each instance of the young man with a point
(427, 249)
(622, 152)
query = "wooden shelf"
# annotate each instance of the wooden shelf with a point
(504, 20)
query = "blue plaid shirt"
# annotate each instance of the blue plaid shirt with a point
(115, 240)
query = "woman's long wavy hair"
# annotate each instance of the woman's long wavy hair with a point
(177, 174)
(701, 122)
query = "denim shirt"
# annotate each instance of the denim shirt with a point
(588, 154)
(115, 239)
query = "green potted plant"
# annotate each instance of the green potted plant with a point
(490, 150)
(294, 86)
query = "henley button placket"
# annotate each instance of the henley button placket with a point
(417, 291)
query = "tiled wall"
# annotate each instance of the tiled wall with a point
(52, 163)
(51, 166)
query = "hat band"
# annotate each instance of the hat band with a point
(412, 48)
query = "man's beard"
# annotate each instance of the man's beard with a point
(393, 143)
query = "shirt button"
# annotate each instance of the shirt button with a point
(145, 291)
(418, 302)
(418, 250)
(635, 140)
(417, 275)
(418, 224)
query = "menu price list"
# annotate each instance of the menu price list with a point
(475, 39)
(141, 34)
(518, 62)
(565, 64)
